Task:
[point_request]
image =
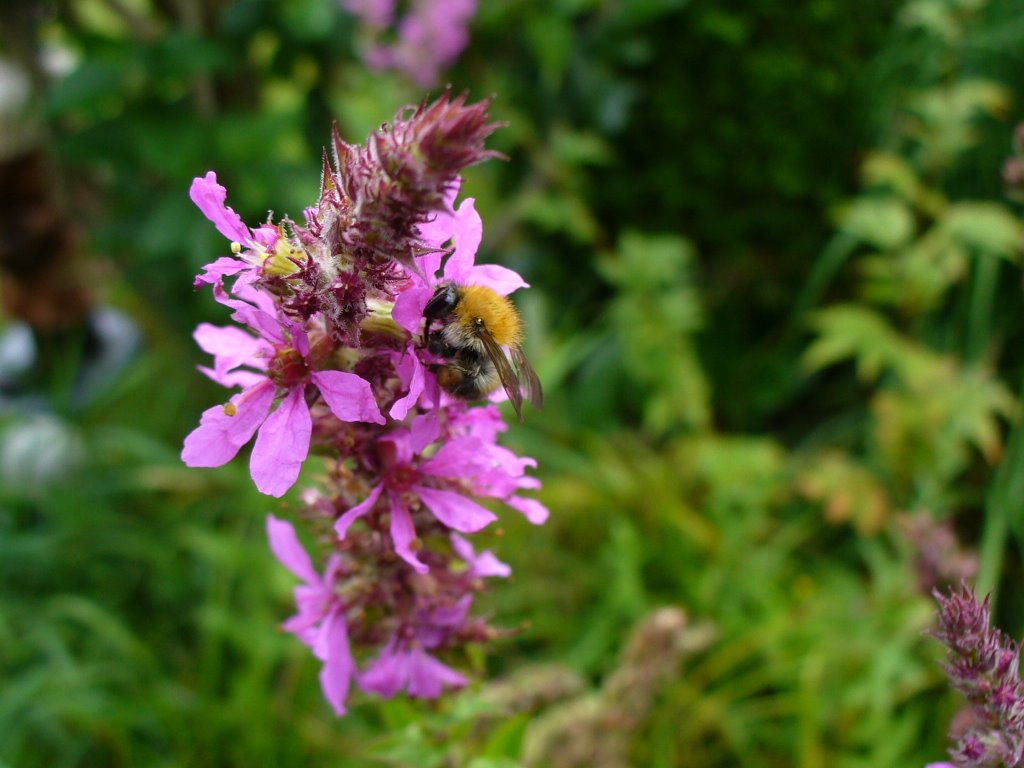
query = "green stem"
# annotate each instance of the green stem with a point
(979, 322)
(1002, 515)
(824, 270)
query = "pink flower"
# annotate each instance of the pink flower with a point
(320, 622)
(430, 36)
(465, 229)
(404, 662)
(282, 436)
(410, 668)
(404, 477)
(498, 472)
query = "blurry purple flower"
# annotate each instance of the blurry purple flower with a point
(320, 622)
(939, 560)
(404, 662)
(376, 14)
(430, 36)
(411, 669)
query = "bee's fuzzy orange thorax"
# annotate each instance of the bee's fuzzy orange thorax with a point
(499, 315)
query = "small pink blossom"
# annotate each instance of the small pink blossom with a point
(283, 438)
(404, 663)
(405, 475)
(320, 622)
(411, 669)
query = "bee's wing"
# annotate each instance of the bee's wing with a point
(527, 377)
(508, 377)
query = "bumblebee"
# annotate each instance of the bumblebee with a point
(475, 324)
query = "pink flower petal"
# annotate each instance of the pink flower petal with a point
(428, 676)
(468, 231)
(349, 397)
(499, 279)
(339, 666)
(403, 534)
(209, 196)
(441, 228)
(387, 674)
(447, 617)
(532, 509)
(282, 445)
(312, 603)
(425, 429)
(410, 371)
(218, 437)
(264, 322)
(465, 457)
(409, 306)
(300, 339)
(230, 346)
(289, 551)
(266, 235)
(241, 378)
(360, 509)
(483, 565)
(455, 510)
(216, 271)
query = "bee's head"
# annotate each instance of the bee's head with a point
(442, 303)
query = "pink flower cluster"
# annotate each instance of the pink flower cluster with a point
(427, 39)
(327, 356)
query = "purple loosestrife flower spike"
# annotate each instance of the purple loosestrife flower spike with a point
(429, 37)
(326, 357)
(983, 664)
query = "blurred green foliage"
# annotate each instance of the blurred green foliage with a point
(776, 304)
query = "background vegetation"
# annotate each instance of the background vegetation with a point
(777, 310)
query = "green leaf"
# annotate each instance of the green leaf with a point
(883, 222)
(986, 228)
(848, 331)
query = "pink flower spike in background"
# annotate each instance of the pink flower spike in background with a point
(430, 36)
(328, 339)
